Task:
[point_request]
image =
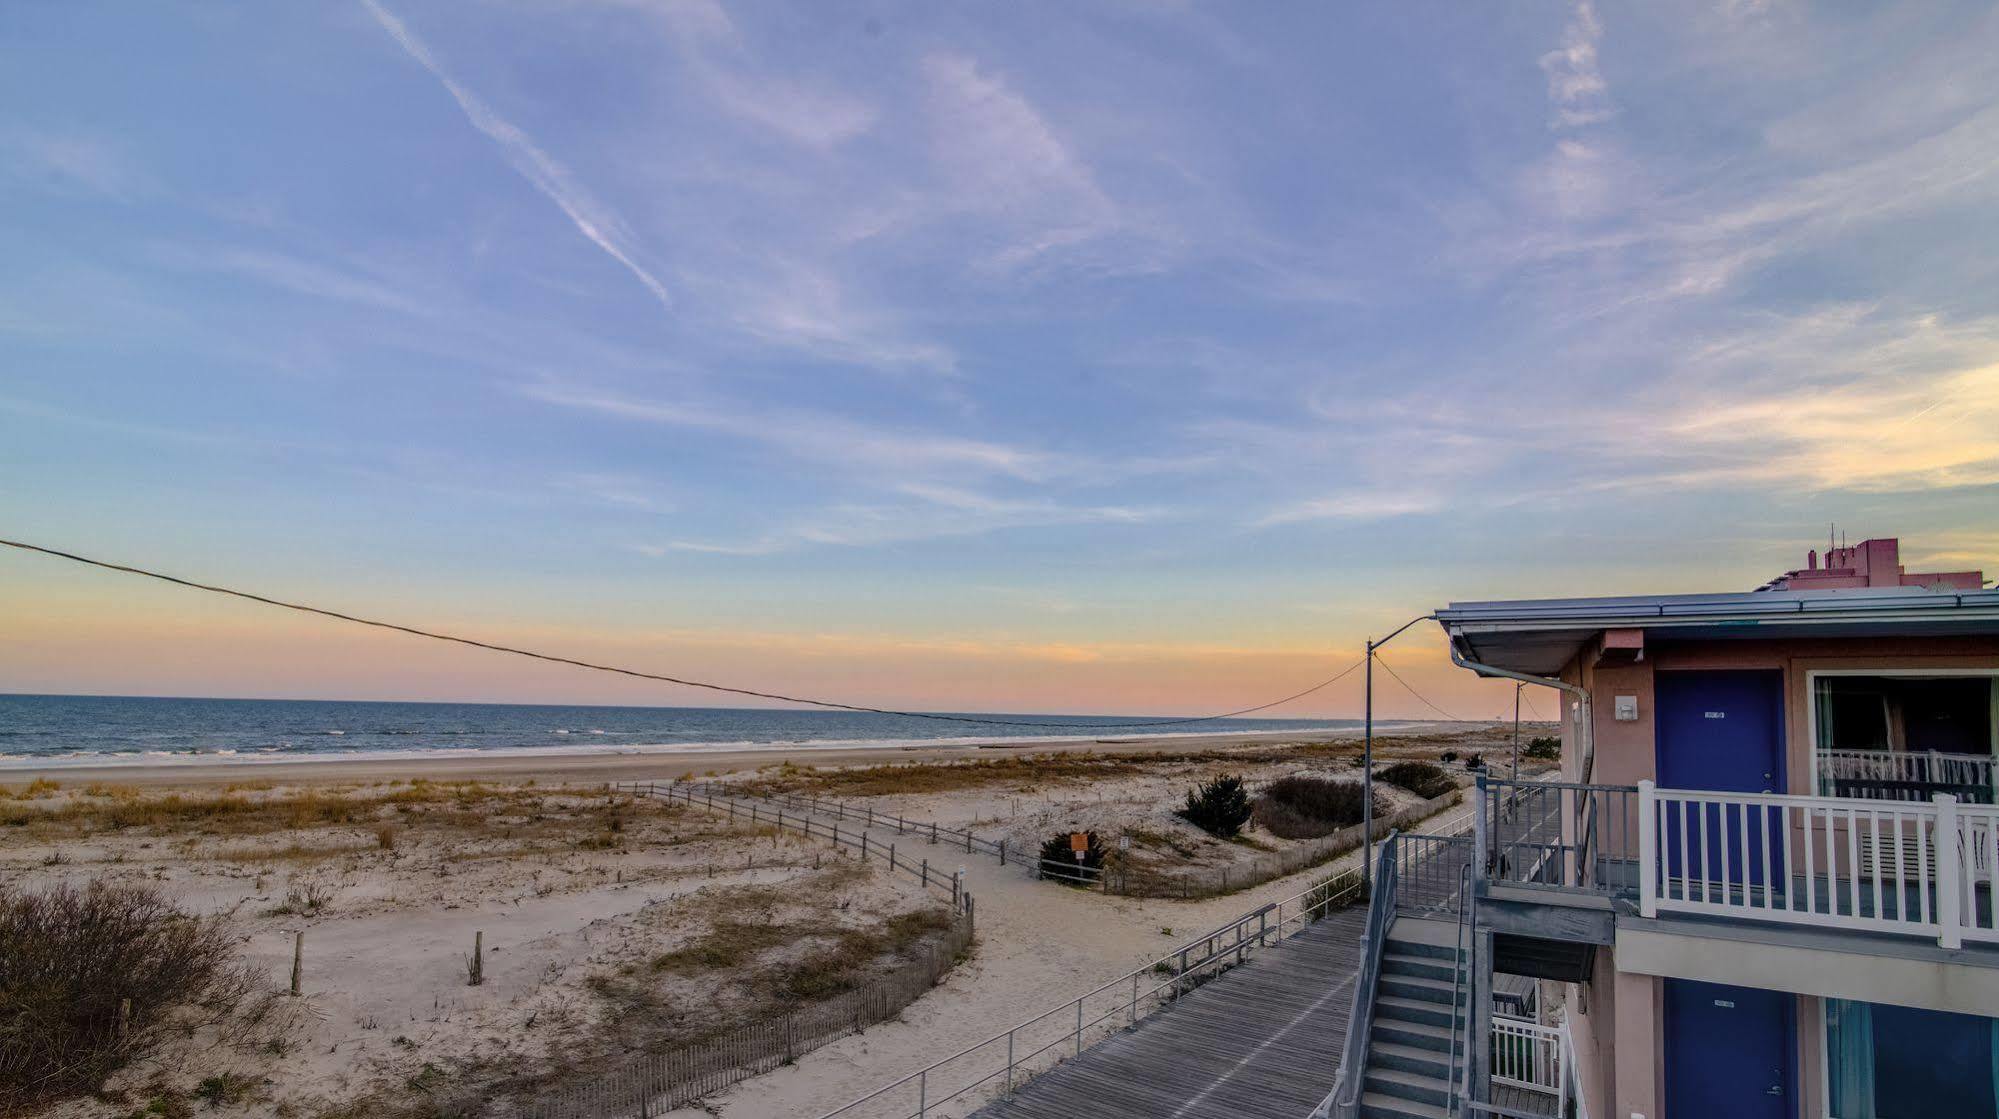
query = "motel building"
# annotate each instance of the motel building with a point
(1764, 887)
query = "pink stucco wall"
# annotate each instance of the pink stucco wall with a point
(1617, 1023)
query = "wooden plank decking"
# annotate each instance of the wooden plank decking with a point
(1261, 1041)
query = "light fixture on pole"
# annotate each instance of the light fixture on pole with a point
(1367, 759)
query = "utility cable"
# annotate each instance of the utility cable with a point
(1417, 694)
(555, 659)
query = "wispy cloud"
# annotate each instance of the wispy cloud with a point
(1356, 506)
(295, 274)
(819, 437)
(714, 50)
(73, 162)
(591, 217)
(1002, 156)
(1576, 87)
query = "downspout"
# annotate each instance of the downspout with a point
(1588, 732)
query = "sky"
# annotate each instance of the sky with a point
(1110, 357)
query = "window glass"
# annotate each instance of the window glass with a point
(1907, 737)
(1894, 1062)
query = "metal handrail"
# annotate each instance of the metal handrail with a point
(1461, 1080)
(1572, 1078)
(1360, 1020)
(1229, 942)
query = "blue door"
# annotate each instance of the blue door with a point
(1729, 1052)
(1722, 732)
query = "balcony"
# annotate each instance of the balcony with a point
(1884, 864)
(1911, 868)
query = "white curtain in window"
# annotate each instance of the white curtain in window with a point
(1849, 1028)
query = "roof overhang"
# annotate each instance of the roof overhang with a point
(1541, 636)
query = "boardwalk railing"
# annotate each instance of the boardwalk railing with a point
(1118, 877)
(1562, 835)
(1919, 869)
(658, 1083)
(1344, 1100)
(962, 838)
(752, 811)
(1005, 1060)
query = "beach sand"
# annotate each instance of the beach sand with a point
(385, 961)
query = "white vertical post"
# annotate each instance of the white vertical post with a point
(1950, 868)
(1648, 849)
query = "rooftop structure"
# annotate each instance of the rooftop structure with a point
(1870, 563)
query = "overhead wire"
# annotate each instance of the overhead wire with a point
(553, 658)
(1414, 692)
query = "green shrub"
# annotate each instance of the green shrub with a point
(1545, 749)
(1422, 778)
(1220, 807)
(1300, 807)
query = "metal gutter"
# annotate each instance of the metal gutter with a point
(1910, 604)
(1588, 731)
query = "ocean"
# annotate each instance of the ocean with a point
(38, 731)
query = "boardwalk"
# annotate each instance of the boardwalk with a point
(1262, 1041)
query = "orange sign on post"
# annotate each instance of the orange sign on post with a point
(1079, 841)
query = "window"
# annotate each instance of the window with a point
(1892, 1062)
(1906, 736)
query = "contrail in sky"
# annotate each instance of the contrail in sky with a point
(591, 218)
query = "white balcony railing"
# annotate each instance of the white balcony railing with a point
(1904, 769)
(1917, 868)
(1531, 1056)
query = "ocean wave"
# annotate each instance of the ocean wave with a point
(270, 756)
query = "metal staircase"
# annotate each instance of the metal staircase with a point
(1416, 1044)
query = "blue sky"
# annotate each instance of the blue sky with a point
(1111, 356)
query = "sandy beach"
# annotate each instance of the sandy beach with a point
(616, 926)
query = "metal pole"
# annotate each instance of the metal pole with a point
(1516, 729)
(1367, 781)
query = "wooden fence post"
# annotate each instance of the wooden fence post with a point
(476, 972)
(298, 960)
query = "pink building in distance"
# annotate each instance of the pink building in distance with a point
(1870, 563)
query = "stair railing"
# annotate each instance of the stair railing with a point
(1461, 1081)
(1343, 1102)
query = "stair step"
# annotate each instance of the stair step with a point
(1419, 1035)
(1374, 1105)
(1394, 1008)
(1419, 948)
(1429, 967)
(1432, 1090)
(1409, 1058)
(1440, 991)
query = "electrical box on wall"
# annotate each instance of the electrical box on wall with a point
(1626, 708)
